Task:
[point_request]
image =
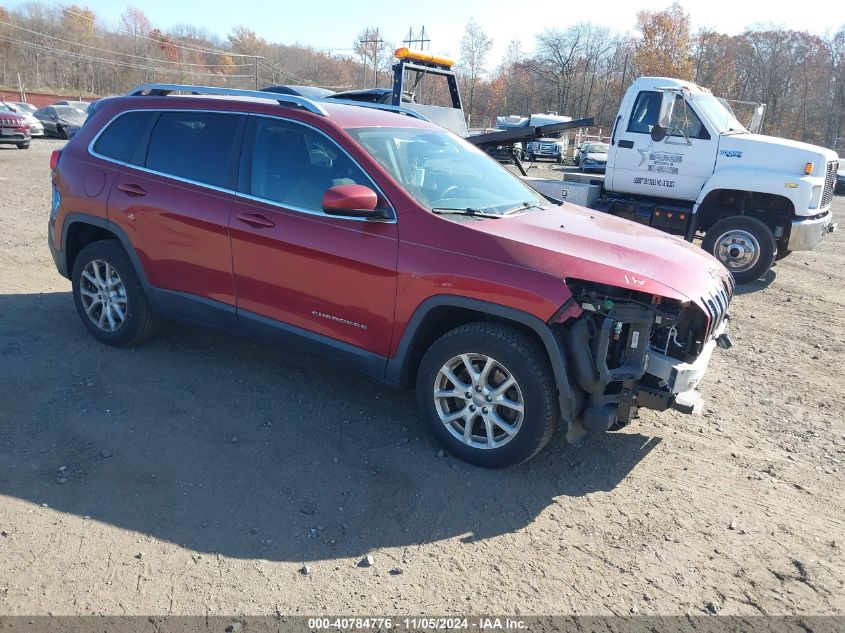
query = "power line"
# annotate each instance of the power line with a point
(169, 37)
(111, 52)
(123, 64)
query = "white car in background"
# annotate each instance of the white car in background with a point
(593, 156)
(36, 128)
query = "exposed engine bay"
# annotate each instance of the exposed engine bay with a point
(630, 349)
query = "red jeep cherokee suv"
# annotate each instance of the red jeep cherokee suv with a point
(388, 244)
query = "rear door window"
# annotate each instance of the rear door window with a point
(120, 138)
(196, 146)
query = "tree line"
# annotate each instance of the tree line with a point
(580, 70)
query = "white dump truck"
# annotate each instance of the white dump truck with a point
(680, 161)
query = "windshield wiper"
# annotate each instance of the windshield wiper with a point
(464, 211)
(523, 206)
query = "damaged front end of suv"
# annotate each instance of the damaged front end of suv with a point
(629, 350)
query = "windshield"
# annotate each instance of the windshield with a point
(598, 148)
(70, 112)
(26, 107)
(719, 115)
(444, 172)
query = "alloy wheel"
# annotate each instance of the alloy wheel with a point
(479, 401)
(103, 295)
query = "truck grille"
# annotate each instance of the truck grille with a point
(717, 304)
(829, 183)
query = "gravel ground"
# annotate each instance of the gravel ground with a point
(199, 473)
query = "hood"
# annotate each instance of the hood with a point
(602, 156)
(757, 150)
(571, 241)
(72, 120)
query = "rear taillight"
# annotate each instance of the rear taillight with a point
(54, 159)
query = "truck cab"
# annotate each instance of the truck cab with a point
(681, 161)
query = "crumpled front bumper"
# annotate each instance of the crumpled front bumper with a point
(680, 380)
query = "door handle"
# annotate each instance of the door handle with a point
(628, 144)
(256, 219)
(132, 190)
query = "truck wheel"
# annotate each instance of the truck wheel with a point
(23, 146)
(486, 391)
(109, 296)
(744, 245)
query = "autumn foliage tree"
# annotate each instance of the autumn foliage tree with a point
(664, 45)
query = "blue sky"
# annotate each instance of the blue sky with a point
(335, 23)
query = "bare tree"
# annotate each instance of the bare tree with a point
(475, 47)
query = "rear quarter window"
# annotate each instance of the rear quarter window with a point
(120, 138)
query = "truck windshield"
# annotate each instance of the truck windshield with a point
(443, 172)
(718, 114)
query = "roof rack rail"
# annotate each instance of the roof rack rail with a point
(382, 106)
(162, 90)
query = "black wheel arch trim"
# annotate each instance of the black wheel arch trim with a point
(397, 368)
(111, 227)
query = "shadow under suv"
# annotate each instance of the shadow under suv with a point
(386, 243)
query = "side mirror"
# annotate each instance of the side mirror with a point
(355, 201)
(664, 117)
(667, 106)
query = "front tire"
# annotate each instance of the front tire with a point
(487, 393)
(109, 296)
(23, 146)
(744, 245)
(60, 132)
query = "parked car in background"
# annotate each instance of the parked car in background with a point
(553, 148)
(312, 92)
(36, 128)
(26, 107)
(14, 130)
(62, 121)
(83, 105)
(593, 157)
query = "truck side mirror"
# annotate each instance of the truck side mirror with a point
(757, 118)
(664, 118)
(667, 107)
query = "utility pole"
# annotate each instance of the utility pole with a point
(255, 59)
(422, 40)
(376, 41)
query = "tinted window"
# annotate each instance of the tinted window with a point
(194, 145)
(646, 112)
(294, 165)
(120, 138)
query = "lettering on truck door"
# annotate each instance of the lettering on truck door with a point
(676, 167)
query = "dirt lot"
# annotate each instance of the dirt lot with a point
(197, 474)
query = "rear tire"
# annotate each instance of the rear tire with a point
(511, 408)
(744, 245)
(109, 296)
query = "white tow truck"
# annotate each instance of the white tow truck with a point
(679, 160)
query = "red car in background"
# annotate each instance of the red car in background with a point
(14, 130)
